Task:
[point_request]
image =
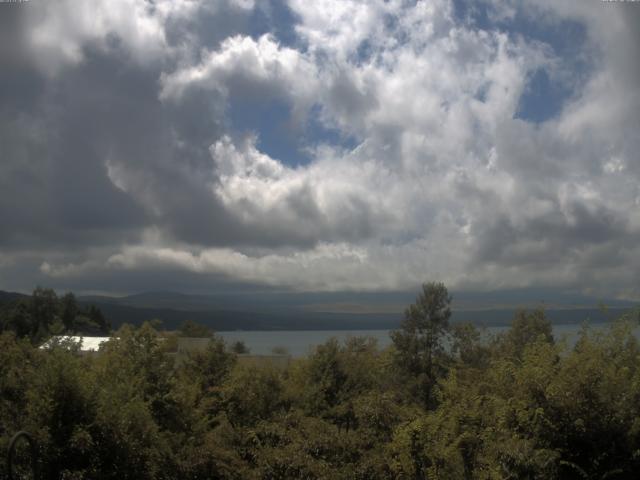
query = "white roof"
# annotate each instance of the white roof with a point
(87, 344)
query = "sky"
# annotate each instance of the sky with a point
(320, 146)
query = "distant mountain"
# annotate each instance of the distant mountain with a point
(356, 302)
(227, 320)
(532, 298)
(171, 300)
(6, 297)
(334, 311)
(342, 310)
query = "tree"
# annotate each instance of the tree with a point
(61, 411)
(69, 311)
(526, 328)
(19, 320)
(251, 394)
(324, 378)
(418, 342)
(467, 345)
(239, 348)
(210, 367)
(44, 306)
(98, 319)
(189, 328)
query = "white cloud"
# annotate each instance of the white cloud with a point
(339, 27)
(59, 32)
(243, 67)
(329, 267)
(332, 198)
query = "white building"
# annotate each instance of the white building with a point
(87, 345)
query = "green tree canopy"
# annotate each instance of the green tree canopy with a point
(419, 341)
(189, 328)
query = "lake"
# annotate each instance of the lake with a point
(301, 342)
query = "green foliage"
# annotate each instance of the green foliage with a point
(251, 395)
(239, 348)
(44, 314)
(17, 319)
(60, 410)
(526, 327)
(516, 406)
(68, 310)
(18, 363)
(468, 347)
(209, 368)
(419, 344)
(189, 328)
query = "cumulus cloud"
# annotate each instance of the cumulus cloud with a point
(421, 161)
(58, 34)
(246, 67)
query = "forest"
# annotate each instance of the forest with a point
(444, 401)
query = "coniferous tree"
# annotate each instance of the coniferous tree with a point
(419, 341)
(69, 311)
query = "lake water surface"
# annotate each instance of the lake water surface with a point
(299, 343)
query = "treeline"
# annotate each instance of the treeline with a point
(43, 314)
(441, 403)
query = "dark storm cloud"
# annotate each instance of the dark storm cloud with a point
(549, 239)
(55, 187)
(61, 134)
(25, 273)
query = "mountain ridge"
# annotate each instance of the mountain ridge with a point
(291, 311)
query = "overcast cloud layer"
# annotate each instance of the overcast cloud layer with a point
(324, 145)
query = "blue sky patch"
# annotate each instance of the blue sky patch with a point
(542, 98)
(274, 17)
(272, 122)
(278, 137)
(546, 92)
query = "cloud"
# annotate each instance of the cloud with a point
(326, 267)
(421, 162)
(57, 35)
(255, 70)
(330, 200)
